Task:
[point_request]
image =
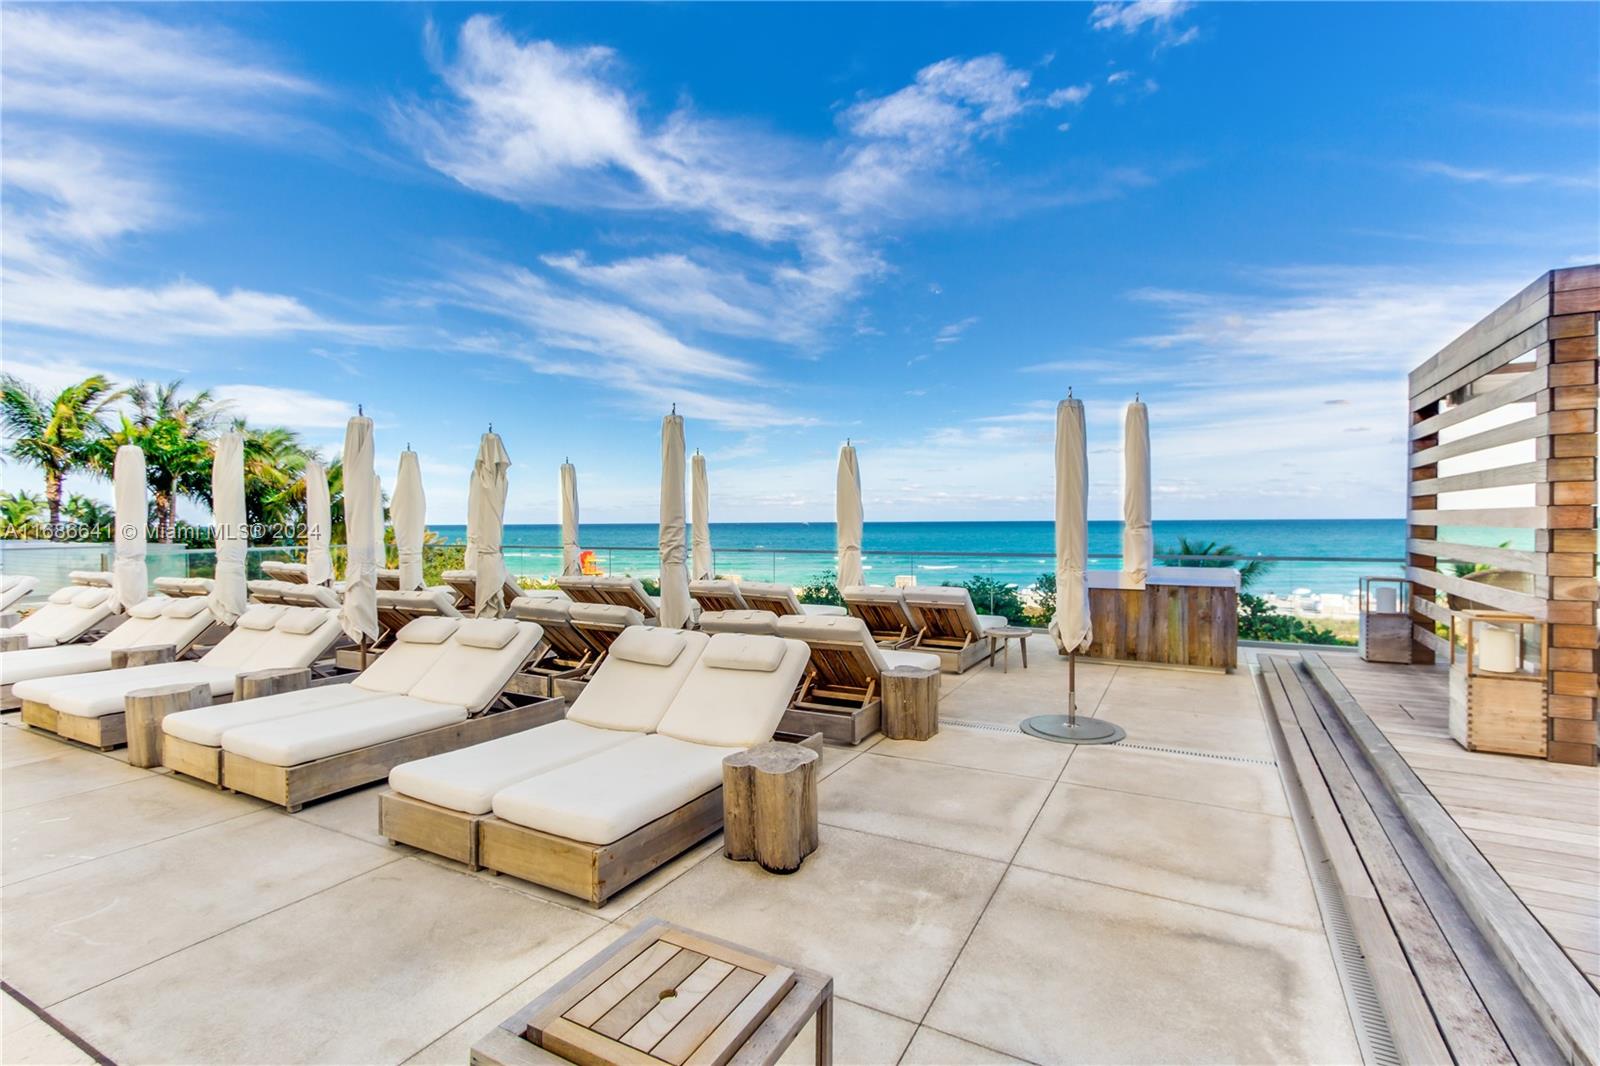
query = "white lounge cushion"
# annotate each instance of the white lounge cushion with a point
(472, 676)
(63, 623)
(185, 607)
(606, 796)
(743, 651)
(63, 595)
(99, 694)
(29, 663)
(260, 617)
(301, 620)
(149, 607)
(990, 621)
(467, 779)
(427, 630)
(402, 664)
(14, 588)
(420, 603)
(92, 578)
(953, 597)
(35, 640)
(606, 614)
(630, 587)
(649, 647)
(822, 609)
(545, 611)
(920, 659)
(735, 708)
(206, 725)
(717, 587)
(491, 634)
(633, 696)
(87, 599)
(762, 622)
(302, 738)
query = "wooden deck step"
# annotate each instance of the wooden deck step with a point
(1542, 1006)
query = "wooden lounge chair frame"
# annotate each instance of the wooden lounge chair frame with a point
(627, 595)
(839, 696)
(778, 605)
(467, 591)
(885, 622)
(945, 634)
(592, 872)
(565, 654)
(105, 731)
(281, 570)
(718, 601)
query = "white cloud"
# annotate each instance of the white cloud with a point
(952, 332)
(1117, 77)
(62, 191)
(102, 64)
(1514, 178)
(673, 284)
(948, 104)
(295, 408)
(1130, 17)
(1072, 94)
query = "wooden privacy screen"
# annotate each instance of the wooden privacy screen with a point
(1503, 479)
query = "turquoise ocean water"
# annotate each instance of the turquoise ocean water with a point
(1011, 551)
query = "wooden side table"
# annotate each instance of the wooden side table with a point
(13, 641)
(769, 805)
(665, 994)
(143, 711)
(1000, 638)
(910, 702)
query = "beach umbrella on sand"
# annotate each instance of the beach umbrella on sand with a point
(130, 578)
(486, 514)
(319, 525)
(571, 556)
(700, 494)
(229, 594)
(1071, 623)
(1137, 545)
(674, 572)
(409, 509)
(359, 614)
(847, 518)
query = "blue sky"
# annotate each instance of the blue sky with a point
(913, 226)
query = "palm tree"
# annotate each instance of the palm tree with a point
(274, 470)
(19, 510)
(174, 431)
(1198, 553)
(59, 435)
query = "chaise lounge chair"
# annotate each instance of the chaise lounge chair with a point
(885, 613)
(465, 585)
(184, 586)
(718, 595)
(950, 626)
(781, 600)
(293, 573)
(437, 803)
(293, 594)
(761, 623)
(155, 622)
(14, 589)
(68, 615)
(89, 708)
(616, 589)
(399, 714)
(594, 826)
(842, 696)
(93, 579)
(568, 654)
(602, 623)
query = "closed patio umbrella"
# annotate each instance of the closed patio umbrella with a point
(359, 615)
(130, 578)
(571, 556)
(674, 571)
(409, 509)
(380, 553)
(1137, 545)
(486, 515)
(700, 497)
(229, 593)
(847, 518)
(319, 525)
(1071, 623)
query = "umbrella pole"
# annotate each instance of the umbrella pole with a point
(1068, 728)
(1072, 689)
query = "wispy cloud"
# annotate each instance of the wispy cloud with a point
(295, 408)
(949, 334)
(102, 64)
(1135, 15)
(1497, 176)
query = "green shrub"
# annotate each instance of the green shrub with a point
(1259, 620)
(1044, 596)
(993, 597)
(822, 588)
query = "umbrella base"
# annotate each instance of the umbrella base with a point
(1082, 731)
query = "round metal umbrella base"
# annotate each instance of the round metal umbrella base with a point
(1083, 731)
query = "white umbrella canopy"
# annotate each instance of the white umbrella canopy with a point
(674, 572)
(409, 510)
(359, 615)
(379, 551)
(486, 515)
(319, 525)
(848, 519)
(571, 556)
(1138, 546)
(229, 593)
(1071, 622)
(130, 578)
(700, 568)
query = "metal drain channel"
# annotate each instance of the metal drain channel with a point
(996, 727)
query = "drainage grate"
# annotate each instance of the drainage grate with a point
(997, 727)
(1361, 993)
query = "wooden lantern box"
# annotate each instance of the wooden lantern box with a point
(1496, 705)
(1385, 635)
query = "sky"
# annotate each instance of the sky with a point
(913, 227)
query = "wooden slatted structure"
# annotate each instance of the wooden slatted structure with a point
(1502, 452)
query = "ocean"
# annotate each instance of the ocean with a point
(1012, 552)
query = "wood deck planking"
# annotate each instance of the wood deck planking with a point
(1534, 821)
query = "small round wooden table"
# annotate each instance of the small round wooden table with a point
(1000, 638)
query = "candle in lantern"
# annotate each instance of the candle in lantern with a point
(1388, 599)
(1497, 649)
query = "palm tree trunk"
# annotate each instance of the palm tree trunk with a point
(52, 496)
(164, 523)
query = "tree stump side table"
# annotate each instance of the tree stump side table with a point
(143, 711)
(144, 655)
(910, 702)
(769, 805)
(13, 641)
(254, 684)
